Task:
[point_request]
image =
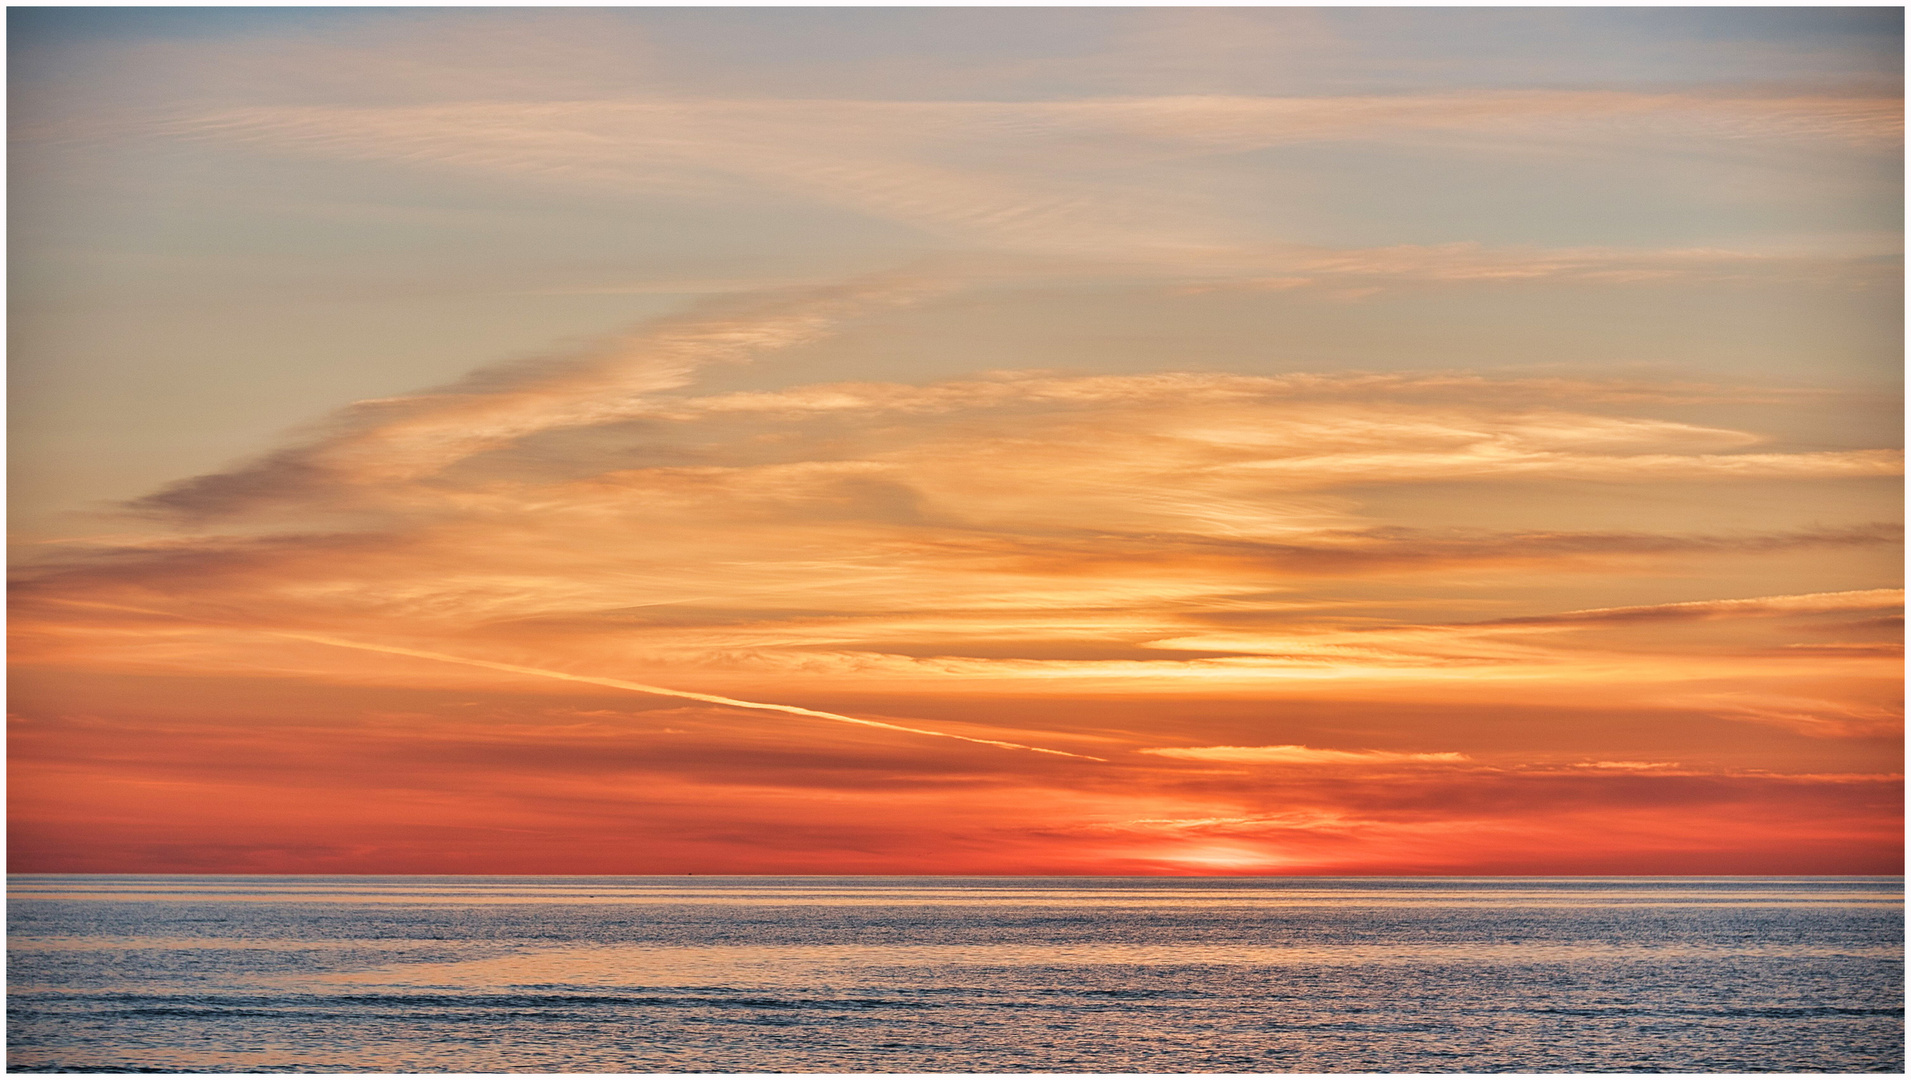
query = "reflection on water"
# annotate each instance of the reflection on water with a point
(959, 975)
(882, 890)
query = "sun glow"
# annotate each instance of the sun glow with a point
(1217, 858)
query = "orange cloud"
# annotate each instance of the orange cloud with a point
(1295, 755)
(583, 614)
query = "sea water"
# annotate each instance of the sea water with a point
(813, 974)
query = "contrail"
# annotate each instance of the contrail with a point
(595, 680)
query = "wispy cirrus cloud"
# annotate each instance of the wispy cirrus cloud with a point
(1216, 446)
(1355, 273)
(1015, 526)
(1026, 175)
(1299, 755)
(413, 436)
(1856, 600)
(1822, 716)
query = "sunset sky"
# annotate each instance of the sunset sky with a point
(1078, 441)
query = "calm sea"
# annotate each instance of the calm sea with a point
(807, 974)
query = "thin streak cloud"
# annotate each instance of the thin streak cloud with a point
(1030, 186)
(1299, 755)
(620, 684)
(689, 695)
(1812, 603)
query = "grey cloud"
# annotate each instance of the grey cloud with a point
(413, 436)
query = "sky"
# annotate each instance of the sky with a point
(1188, 441)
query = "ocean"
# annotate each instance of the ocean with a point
(926, 974)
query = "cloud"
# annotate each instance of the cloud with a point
(1004, 559)
(1298, 755)
(1813, 716)
(413, 436)
(1371, 391)
(642, 688)
(1029, 175)
(1754, 607)
(1012, 526)
(519, 784)
(1216, 452)
(1349, 272)
(599, 610)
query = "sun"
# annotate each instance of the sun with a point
(1220, 857)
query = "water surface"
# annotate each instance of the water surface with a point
(751, 974)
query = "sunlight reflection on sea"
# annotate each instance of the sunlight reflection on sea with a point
(965, 975)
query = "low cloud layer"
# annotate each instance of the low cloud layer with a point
(1297, 755)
